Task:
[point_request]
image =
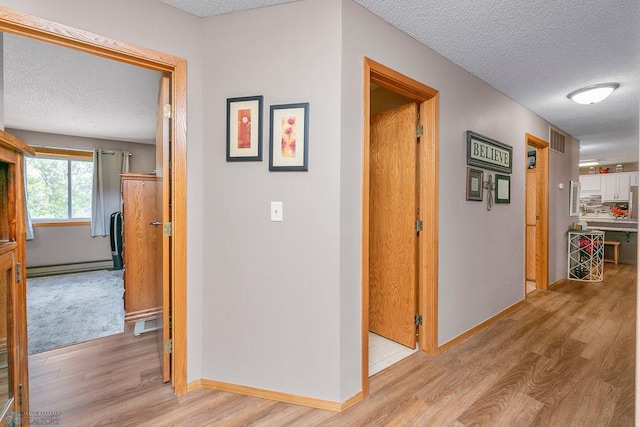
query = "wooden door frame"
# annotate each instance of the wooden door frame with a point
(25, 25)
(428, 100)
(542, 202)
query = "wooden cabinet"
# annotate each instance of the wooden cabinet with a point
(615, 187)
(14, 376)
(139, 246)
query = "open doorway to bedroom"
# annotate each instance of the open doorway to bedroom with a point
(89, 120)
(173, 129)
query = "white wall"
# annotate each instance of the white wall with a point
(563, 168)
(142, 160)
(273, 299)
(66, 244)
(481, 253)
(157, 26)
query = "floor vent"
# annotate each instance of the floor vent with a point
(556, 139)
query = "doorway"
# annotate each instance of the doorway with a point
(420, 302)
(25, 25)
(536, 214)
(393, 213)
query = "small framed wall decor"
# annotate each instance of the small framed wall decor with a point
(289, 137)
(503, 188)
(244, 129)
(474, 184)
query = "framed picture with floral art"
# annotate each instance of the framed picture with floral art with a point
(244, 129)
(289, 137)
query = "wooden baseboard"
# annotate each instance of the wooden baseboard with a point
(481, 326)
(557, 283)
(352, 401)
(134, 316)
(311, 402)
(194, 385)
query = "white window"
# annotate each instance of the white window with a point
(59, 184)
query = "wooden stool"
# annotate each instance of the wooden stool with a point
(616, 246)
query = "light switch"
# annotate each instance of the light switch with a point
(276, 211)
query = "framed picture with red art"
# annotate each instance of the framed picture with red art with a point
(289, 138)
(244, 129)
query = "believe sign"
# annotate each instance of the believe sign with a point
(488, 153)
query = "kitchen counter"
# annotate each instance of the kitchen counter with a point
(610, 223)
(623, 230)
(608, 218)
(605, 228)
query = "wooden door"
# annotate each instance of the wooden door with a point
(531, 222)
(8, 348)
(392, 216)
(163, 242)
(537, 193)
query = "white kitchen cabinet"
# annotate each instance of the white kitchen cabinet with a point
(615, 187)
(633, 178)
(590, 184)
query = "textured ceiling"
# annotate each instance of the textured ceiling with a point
(535, 52)
(57, 90)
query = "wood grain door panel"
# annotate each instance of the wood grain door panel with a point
(531, 212)
(392, 210)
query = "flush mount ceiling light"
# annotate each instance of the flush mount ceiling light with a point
(592, 94)
(587, 163)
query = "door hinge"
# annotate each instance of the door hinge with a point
(21, 395)
(417, 319)
(166, 111)
(419, 131)
(18, 273)
(167, 346)
(167, 229)
(418, 225)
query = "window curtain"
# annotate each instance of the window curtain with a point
(106, 198)
(27, 219)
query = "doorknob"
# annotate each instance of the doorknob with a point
(155, 223)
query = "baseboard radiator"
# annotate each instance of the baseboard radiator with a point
(75, 267)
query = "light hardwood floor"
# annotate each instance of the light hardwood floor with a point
(566, 358)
